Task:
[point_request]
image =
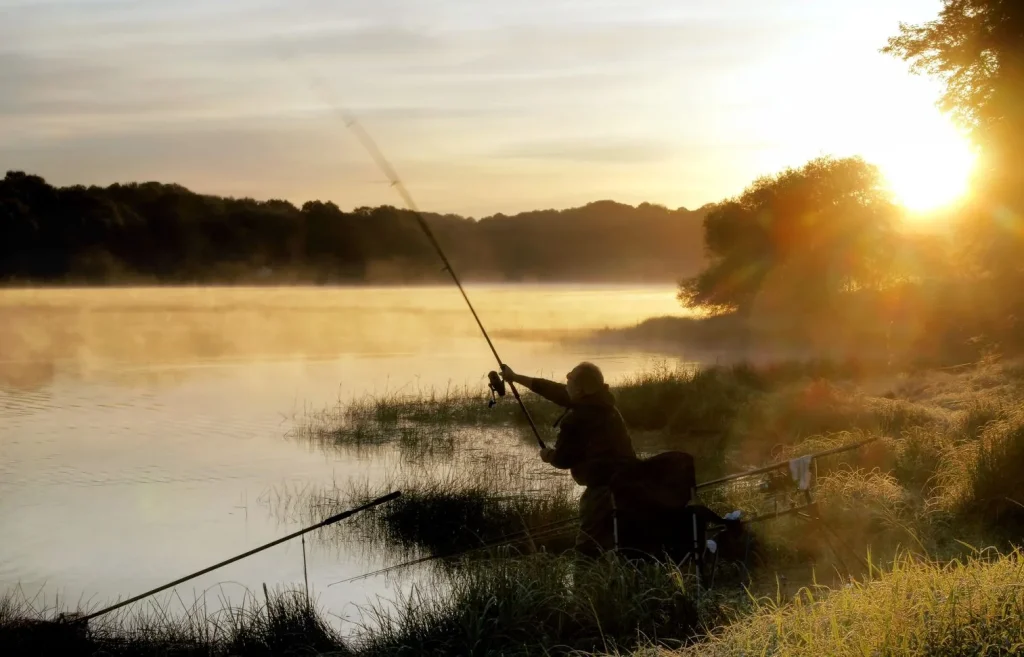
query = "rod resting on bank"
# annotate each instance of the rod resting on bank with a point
(323, 523)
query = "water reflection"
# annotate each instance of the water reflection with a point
(141, 428)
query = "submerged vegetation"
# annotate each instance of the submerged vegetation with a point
(430, 423)
(471, 503)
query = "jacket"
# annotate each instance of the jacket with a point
(593, 442)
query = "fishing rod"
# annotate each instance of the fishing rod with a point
(378, 157)
(495, 383)
(323, 523)
(783, 464)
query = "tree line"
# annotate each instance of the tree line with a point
(164, 233)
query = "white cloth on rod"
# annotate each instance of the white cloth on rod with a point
(800, 469)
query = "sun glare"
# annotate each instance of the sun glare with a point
(926, 159)
(931, 173)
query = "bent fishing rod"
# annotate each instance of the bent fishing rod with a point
(318, 87)
(323, 523)
(378, 157)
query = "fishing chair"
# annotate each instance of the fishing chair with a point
(653, 515)
(686, 535)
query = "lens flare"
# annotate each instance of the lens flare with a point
(930, 174)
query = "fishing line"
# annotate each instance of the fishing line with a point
(396, 182)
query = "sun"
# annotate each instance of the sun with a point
(931, 172)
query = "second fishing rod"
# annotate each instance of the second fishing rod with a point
(496, 383)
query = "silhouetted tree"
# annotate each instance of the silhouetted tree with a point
(977, 48)
(792, 241)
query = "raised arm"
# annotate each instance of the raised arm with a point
(551, 390)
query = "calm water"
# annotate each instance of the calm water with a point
(142, 431)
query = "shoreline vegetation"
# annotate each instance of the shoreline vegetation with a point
(931, 506)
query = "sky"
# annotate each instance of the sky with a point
(481, 106)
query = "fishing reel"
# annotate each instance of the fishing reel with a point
(496, 386)
(775, 483)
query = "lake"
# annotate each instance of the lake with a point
(144, 431)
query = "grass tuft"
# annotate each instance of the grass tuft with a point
(470, 503)
(282, 624)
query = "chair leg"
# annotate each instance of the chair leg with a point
(615, 523)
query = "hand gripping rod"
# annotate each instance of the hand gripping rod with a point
(396, 182)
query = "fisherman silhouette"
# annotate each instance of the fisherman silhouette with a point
(593, 444)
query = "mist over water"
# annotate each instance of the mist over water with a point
(143, 430)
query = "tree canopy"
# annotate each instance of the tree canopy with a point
(977, 48)
(795, 239)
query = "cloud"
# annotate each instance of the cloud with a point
(580, 150)
(497, 94)
(364, 41)
(134, 59)
(28, 81)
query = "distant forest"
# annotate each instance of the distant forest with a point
(163, 233)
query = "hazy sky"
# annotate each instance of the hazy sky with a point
(482, 106)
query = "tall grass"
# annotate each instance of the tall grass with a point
(471, 502)
(973, 606)
(282, 624)
(543, 604)
(996, 494)
(540, 604)
(446, 517)
(703, 402)
(945, 466)
(937, 465)
(700, 410)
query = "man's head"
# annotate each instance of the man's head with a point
(584, 379)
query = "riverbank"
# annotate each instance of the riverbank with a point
(939, 481)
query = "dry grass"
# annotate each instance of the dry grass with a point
(973, 606)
